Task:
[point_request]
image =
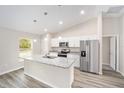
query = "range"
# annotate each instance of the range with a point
(63, 52)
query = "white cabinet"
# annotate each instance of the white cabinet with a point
(55, 43)
(73, 42)
(77, 43)
(64, 40)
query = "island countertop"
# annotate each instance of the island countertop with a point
(57, 61)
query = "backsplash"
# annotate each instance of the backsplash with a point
(57, 49)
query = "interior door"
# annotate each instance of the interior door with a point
(113, 49)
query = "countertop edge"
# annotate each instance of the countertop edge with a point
(48, 64)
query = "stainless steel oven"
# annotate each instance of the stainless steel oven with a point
(64, 52)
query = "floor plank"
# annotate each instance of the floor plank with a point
(109, 79)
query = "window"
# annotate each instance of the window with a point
(25, 44)
(25, 47)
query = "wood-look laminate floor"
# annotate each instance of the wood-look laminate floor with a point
(109, 79)
(17, 79)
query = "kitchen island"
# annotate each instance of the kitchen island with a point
(57, 72)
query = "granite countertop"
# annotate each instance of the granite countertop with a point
(68, 53)
(57, 61)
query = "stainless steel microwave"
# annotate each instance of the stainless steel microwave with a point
(63, 44)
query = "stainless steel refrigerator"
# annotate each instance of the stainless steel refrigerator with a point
(89, 56)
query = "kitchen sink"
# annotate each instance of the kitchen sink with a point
(51, 57)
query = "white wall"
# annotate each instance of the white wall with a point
(9, 48)
(106, 50)
(110, 25)
(85, 29)
(121, 65)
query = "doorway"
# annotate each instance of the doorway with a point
(109, 54)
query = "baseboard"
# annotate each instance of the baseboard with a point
(11, 70)
(120, 73)
(105, 64)
(100, 73)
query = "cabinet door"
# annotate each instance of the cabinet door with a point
(71, 43)
(77, 43)
(55, 43)
(64, 40)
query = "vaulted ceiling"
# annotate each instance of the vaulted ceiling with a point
(46, 18)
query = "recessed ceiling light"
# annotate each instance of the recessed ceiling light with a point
(45, 38)
(82, 12)
(59, 37)
(45, 29)
(60, 22)
(35, 40)
(34, 20)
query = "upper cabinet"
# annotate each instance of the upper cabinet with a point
(76, 43)
(55, 43)
(64, 40)
(73, 41)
